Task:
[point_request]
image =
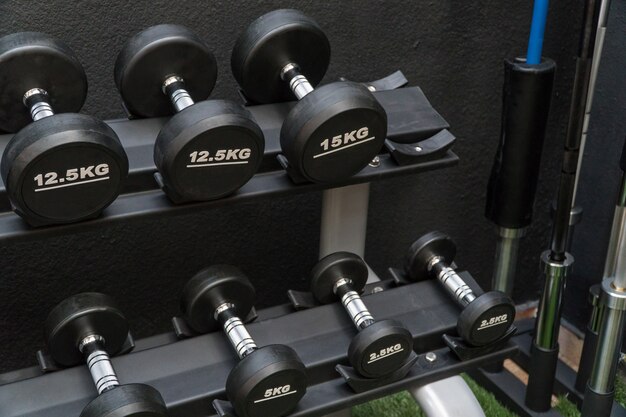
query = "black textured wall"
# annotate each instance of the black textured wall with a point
(452, 49)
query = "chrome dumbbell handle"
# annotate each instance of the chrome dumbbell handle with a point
(297, 82)
(99, 363)
(451, 281)
(235, 330)
(353, 304)
(174, 88)
(37, 101)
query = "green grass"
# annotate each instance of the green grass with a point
(403, 405)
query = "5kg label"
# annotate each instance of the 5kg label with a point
(276, 392)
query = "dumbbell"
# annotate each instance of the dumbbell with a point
(89, 327)
(485, 318)
(333, 131)
(267, 381)
(57, 168)
(208, 149)
(381, 347)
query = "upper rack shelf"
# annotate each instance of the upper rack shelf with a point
(418, 141)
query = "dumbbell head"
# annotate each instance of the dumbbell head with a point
(378, 349)
(421, 253)
(209, 289)
(208, 151)
(156, 53)
(270, 43)
(89, 314)
(486, 319)
(334, 267)
(334, 132)
(131, 400)
(35, 60)
(80, 316)
(63, 168)
(267, 383)
(331, 133)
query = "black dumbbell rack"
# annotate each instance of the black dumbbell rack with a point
(410, 116)
(191, 373)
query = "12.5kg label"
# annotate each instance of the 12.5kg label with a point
(68, 183)
(46, 181)
(203, 158)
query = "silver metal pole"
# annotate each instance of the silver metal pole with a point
(595, 65)
(344, 219)
(450, 397)
(505, 263)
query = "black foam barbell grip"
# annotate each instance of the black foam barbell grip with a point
(597, 405)
(526, 97)
(543, 366)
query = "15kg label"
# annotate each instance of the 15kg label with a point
(344, 141)
(385, 353)
(46, 181)
(200, 159)
(276, 392)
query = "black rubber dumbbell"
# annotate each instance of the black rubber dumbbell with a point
(208, 149)
(381, 347)
(333, 131)
(267, 381)
(89, 328)
(485, 318)
(57, 168)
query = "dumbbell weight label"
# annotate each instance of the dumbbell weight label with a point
(488, 321)
(494, 321)
(339, 146)
(277, 392)
(215, 162)
(51, 180)
(198, 159)
(344, 141)
(70, 182)
(384, 353)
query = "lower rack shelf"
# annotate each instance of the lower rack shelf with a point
(191, 373)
